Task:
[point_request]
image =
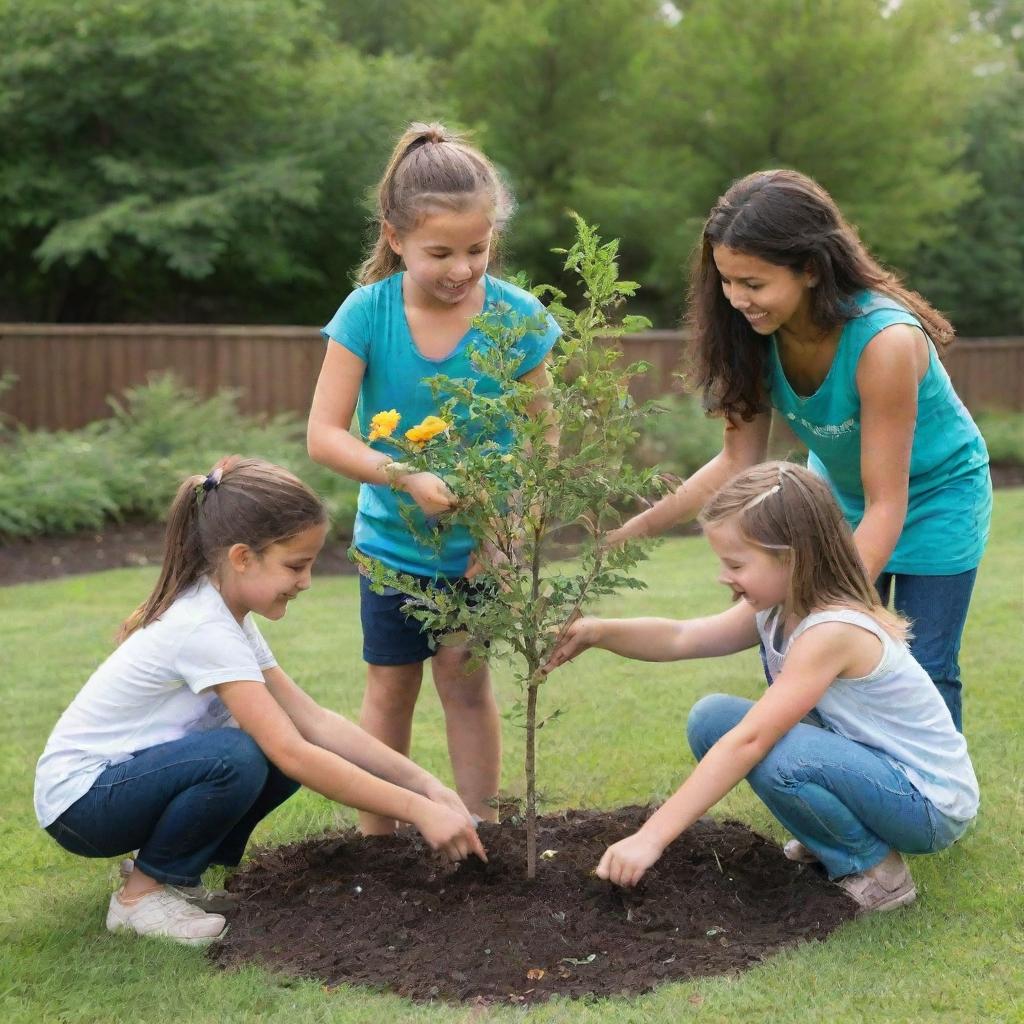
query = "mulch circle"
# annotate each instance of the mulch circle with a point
(387, 913)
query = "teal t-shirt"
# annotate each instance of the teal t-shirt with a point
(371, 323)
(950, 497)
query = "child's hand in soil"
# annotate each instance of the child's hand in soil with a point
(441, 794)
(451, 833)
(625, 862)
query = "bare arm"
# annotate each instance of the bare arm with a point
(328, 435)
(890, 368)
(335, 733)
(813, 662)
(650, 639)
(744, 444)
(330, 441)
(321, 769)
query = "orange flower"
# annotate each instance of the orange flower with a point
(384, 424)
(423, 432)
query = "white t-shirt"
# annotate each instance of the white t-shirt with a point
(153, 689)
(895, 709)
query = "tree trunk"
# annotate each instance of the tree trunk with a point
(531, 775)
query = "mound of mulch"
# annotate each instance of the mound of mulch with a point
(386, 913)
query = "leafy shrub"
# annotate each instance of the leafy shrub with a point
(129, 466)
(677, 436)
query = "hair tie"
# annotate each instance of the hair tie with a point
(210, 483)
(421, 141)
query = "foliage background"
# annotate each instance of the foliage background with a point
(210, 162)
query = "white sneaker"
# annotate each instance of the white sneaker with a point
(217, 901)
(162, 912)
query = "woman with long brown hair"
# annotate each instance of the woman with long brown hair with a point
(792, 315)
(850, 747)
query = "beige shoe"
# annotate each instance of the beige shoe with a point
(795, 850)
(164, 913)
(886, 886)
(214, 901)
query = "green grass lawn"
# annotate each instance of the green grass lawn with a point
(958, 955)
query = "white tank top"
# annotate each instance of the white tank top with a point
(895, 709)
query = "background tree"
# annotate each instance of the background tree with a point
(166, 160)
(548, 86)
(977, 275)
(870, 105)
(211, 162)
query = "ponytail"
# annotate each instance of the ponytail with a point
(431, 167)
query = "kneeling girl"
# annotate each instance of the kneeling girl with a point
(190, 733)
(851, 747)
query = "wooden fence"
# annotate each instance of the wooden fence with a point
(65, 372)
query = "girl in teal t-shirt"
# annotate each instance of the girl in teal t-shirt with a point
(790, 312)
(440, 206)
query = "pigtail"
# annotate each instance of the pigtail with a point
(240, 501)
(183, 557)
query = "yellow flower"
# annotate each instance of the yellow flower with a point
(384, 424)
(430, 427)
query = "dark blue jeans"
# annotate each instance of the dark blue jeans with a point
(183, 805)
(937, 609)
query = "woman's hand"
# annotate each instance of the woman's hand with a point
(617, 537)
(625, 862)
(450, 832)
(430, 492)
(578, 636)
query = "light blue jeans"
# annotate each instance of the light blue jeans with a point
(844, 801)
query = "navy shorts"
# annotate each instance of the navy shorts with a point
(390, 636)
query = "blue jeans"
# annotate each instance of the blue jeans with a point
(937, 609)
(844, 801)
(183, 805)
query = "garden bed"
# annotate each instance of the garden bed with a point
(384, 912)
(116, 546)
(120, 545)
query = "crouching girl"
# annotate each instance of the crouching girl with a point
(851, 747)
(190, 733)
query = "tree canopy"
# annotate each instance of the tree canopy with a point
(167, 161)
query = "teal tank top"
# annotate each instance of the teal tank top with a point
(950, 497)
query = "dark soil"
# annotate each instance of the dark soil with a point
(386, 913)
(116, 546)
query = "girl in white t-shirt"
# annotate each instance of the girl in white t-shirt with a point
(190, 733)
(851, 747)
